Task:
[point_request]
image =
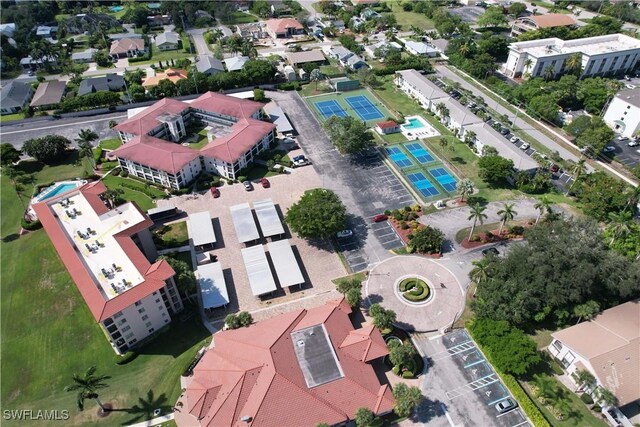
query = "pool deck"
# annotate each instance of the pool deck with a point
(425, 131)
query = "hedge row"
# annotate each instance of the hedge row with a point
(141, 190)
(34, 225)
(126, 358)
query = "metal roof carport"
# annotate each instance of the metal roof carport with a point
(213, 287)
(257, 266)
(285, 263)
(244, 224)
(201, 229)
(268, 218)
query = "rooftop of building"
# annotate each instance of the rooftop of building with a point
(588, 46)
(630, 96)
(281, 25)
(308, 56)
(549, 20)
(124, 45)
(388, 124)
(48, 93)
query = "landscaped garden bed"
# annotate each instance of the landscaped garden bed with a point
(490, 233)
(409, 363)
(414, 289)
(171, 235)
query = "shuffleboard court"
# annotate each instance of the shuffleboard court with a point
(444, 178)
(330, 108)
(422, 184)
(363, 107)
(419, 152)
(398, 157)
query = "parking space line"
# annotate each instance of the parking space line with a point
(384, 235)
(446, 414)
(521, 424)
(499, 400)
(502, 415)
(474, 363)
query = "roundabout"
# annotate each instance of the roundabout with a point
(425, 295)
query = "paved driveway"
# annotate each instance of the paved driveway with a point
(365, 185)
(202, 47)
(460, 386)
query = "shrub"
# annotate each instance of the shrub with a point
(518, 230)
(586, 398)
(596, 408)
(242, 178)
(407, 374)
(396, 370)
(34, 225)
(116, 171)
(404, 225)
(124, 173)
(126, 358)
(97, 155)
(525, 401)
(407, 208)
(387, 212)
(489, 235)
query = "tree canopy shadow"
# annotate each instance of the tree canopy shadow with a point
(146, 408)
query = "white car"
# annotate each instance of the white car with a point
(514, 139)
(344, 234)
(633, 143)
(524, 147)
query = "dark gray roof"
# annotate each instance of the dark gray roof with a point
(208, 64)
(97, 84)
(15, 94)
(316, 356)
(630, 96)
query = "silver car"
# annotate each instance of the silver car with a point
(506, 405)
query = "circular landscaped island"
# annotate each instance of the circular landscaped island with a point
(414, 290)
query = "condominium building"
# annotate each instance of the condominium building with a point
(110, 256)
(623, 113)
(602, 55)
(151, 139)
(417, 86)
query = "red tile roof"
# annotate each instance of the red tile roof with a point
(254, 372)
(157, 153)
(387, 124)
(227, 105)
(146, 120)
(279, 26)
(154, 274)
(172, 74)
(245, 135)
(552, 20)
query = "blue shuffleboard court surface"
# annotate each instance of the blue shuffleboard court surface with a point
(330, 108)
(422, 184)
(419, 152)
(399, 158)
(444, 178)
(364, 108)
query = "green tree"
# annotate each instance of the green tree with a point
(493, 17)
(318, 213)
(597, 136)
(258, 95)
(365, 417)
(481, 271)
(606, 397)
(578, 125)
(542, 205)
(476, 214)
(600, 195)
(47, 149)
(184, 277)
(548, 72)
(516, 9)
(464, 188)
(401, 355)
(507, 213)
(8, 154)
(427, 240)
(245, 319)
(344, 285)
(349, 135)
(586, 311)
(232, 321)
(113, 196)
(407, 398)
(354, 297)
(495, 169)
(384, 319)
(584, 378)
(87, 387)
(620, 225)
(470, 137)
(85, 150)
(315, 76)
(545, 107)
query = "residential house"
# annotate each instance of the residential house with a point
(254, 31)
(46, 31)
(338, 25)
(297, 59)
(14, 96)
(8, 29)
(382, 47)
(168, 41)
(441, 45)
(387, 127)
(601, 55)
(420, 49)
(420, 88)
(355, 63)
(84, 57)
(308, 367)
(608, 346)
(284, 28)
(357, 22)
(89, 23)
(127, 48)
(209, 65)
(49, 94)
(110, 256)
(30, 63)
(365, 2)
(158, 20)
(369, 14)
(339, 52)
(172, 74)
(236, 63)
(623, 113)
(535, 22)
(110, 82)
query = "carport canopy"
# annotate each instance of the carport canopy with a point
(257, 266)
(285, 263)
(268, 218)
(213, 287)
(202, 232)
(244, 224)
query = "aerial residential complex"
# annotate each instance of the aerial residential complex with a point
(300, 368)
(602, 55)
(109, 255)
(151, 148)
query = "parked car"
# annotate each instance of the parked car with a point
(492, 251)
(344, 234)
(265, 183)
(524, 147)
(633, 143)
(623, 138)
(380, 218)
(292, 147)
(504, 131)
(486, 118)
(215, 192)
(299, 157)
(506, 405)
(514, 139)
(609, 149)
(301, 162)
(247, 185)
(30, 73)
(555, 168)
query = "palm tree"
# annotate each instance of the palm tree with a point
(578, 170)
(15, 176)
(315, 76)
(620, 225)
(88, 386)
(470, 137)
(481, 271)
(443, 142)
(586, 311)
(574, 63)
(465, 188)
(442, 110)
(607, 397)
(548, 73)
(477, 214)
(543, 205)
(583, 378)
(506, 214)
(465, 49)
(527, 64)
(632, 198)
(86, 135)
(86, 150)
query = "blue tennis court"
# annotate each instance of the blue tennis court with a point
(364, 108)
(399, 158)
(419, 152)
(444, 178)
(422, 184)
(330, 108)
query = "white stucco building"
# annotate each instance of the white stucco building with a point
(417, 86)
(602, 55)
(623, 113)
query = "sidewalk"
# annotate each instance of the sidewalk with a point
(154, 421)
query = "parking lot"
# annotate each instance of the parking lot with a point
(460, 386)
(628, 156)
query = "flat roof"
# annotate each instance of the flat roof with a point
(285, 263)
(161, 209)
(490, 137)
(201, 229)
(316, 356)
(244, 224)
(268, 218)
(588, 46)
(213, 287)
(423, 85)
(258, 270)
(278, 117)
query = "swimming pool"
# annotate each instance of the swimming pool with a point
(57, 189)
(414, 124)
(116, 8)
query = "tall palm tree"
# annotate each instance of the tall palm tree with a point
(87, 387)
(465, 188)
(607, 397)
(619, 226)
(464, 49)
(574, 63)
(477, 214)
(578, 170)
(86, 135)
(583, 378)
(481, 271)
(527, 64)
(507, 213)
(470, 137)
(442, 110)
(14, 176)
(548, 73)
(86, 150)
(112, 196)
(543, 205)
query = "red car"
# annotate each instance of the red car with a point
(380, 218)
(555, 168)
(215, 192)
(265, 183)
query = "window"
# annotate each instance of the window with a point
(128, 336)
(157, 300)
(126, 328)
(138, 303)
(148, 324)
(160, 307)
(142, 310)
(557, 345)
(151, 330)
(117, 315)
(145, 317)
(133, 341)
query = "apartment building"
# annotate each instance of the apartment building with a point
(623, 113)
(602, 55)
(151, 139)
(110, 255)
(417, 86)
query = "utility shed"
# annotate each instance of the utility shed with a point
(202, 233)
(268, 218)
(213, 287)
(244, 224)
(257, 266)
(285, 263)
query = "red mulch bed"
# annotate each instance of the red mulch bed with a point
(484, 240)
(405, 233)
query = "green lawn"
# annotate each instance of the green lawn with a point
(111, 143)
(173, 235)
(310, 89)
(164, 56)
(408, 19)
(257, 171)
(242, 18)
(202, 141)
(144, 201)
(392, 138)
(9, 117)
(332, 71)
